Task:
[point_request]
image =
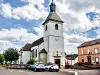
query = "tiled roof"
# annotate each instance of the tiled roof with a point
(71, 57)
(43, 51)
(37, 42)
(53, 16)
(27, 47)
(89, 43)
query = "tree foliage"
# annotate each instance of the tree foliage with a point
(31, 61)
(1, 58)
(11, 55)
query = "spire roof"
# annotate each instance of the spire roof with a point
(53, 16)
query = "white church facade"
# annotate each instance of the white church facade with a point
(50, 47)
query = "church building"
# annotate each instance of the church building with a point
(50, 47)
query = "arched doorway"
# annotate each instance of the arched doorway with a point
(43, 56)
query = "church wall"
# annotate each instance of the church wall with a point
(38, 48)
(25, 56)
(43, 58)
(56, 44)
(54, 41)
(51, 29)
(46, 43)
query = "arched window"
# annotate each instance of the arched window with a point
(36, 53)
(56, 26)
(46, 28)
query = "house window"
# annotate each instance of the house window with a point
(46, 28)
(56, 26)
(82, 51)
(88, 51)
(97, 60)
(36, 53)
(96, 51)
(33, 53)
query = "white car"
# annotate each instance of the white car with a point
(51, 67)
(38, 66)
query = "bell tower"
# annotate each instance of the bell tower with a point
(53, 37)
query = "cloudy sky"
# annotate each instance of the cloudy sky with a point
(20, 21)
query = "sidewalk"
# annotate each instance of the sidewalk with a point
(69, 71)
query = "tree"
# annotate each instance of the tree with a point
(11, 55)
(31, 61)
(1, 58)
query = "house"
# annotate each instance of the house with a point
(50, 47)
(89, 52)
(26, 54)
(71, 60)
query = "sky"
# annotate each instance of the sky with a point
(21, 22)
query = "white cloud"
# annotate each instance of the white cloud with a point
(28, 11)
(17, 37)
(98, 32)
(4, 45)
(71, 11)
(74, 13)
(72, 41)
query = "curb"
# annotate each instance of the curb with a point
(76, 73)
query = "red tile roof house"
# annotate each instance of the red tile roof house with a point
(89, 52)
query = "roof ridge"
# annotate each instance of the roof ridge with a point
(91, 42)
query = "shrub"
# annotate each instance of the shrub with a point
(31, 61)
(78, 64)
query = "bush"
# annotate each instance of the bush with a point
(78, 64)
(86, 63)
(31, 61)
(1, 58)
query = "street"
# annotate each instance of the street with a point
(28, 72)
(4, 71)
(88, 72)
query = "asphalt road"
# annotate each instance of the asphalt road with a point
(28, 72)
(88, 72)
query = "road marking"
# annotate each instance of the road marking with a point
(10, 70)
(76, 73)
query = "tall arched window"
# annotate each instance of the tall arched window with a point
(46, 28)
(56, 26)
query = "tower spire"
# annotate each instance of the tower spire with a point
(52, 6)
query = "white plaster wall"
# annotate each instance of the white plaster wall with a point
(39, 48)
(35, 47)
(56, 44)
(25, 56)
(54, 41)
(76, 59)
(51, 29)
(46, 43)
(51, 58)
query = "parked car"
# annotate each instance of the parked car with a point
(51, 67)
(37, 67)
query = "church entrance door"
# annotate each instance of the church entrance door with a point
(57, 61)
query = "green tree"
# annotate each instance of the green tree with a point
(31, 61)
(11, 55)
(1, 58)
